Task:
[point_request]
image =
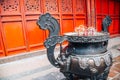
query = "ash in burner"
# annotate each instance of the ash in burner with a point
(84, 31)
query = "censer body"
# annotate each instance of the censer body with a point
(85, 57)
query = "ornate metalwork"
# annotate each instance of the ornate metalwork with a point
(106, 22)
(84, 57)
(89, 65)
(48, 22)
(88, 39)
(53, 41)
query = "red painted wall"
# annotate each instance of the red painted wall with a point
(19, 32)
(111, 8)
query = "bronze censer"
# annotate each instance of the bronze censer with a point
(85, 57)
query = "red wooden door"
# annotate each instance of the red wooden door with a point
(34, 36)
(18, 29)
(12, 26)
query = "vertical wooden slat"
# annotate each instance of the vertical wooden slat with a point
(2, 52)
(35, 36)
(67, 15)
(24, 24)
(1, 43)
(60, 14)
(105, 7)
(93, 20)
(74, 13)
(88, 13)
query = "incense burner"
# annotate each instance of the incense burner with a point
(85, 57)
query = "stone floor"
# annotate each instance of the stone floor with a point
(115, 69)
(35, 67)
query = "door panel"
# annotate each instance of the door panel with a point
(51, 6)
(32, 6)
(67, 26)
(9, 7)
(99, 25)
(98, 6)
(104, 7)
(111, 7)
(80, 22)
(35, 35)
(13, 34)
(117, 8)
(80, 7)
(66, 6)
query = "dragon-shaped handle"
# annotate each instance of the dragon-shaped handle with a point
(46, 21)
(105, 23)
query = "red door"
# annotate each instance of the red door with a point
(12, 27)
(18, 29)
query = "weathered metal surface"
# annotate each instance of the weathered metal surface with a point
(85, 57)
(48, 22)
(105, 24)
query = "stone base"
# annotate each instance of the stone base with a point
(59, 76)
(56, 76)
(52, 76)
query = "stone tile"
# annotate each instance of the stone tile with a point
(115, 69)
(112, 73)
(117, 77)
(21, 66)
(117, 66)
(117, 59)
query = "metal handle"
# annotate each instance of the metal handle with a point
(105, 24)
(46, 21)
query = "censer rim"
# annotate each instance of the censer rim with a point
(72, 34)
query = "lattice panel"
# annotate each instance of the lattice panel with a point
(66, 6)
(9, 5)
(80, 6)
(51, 5)
(32, 5)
